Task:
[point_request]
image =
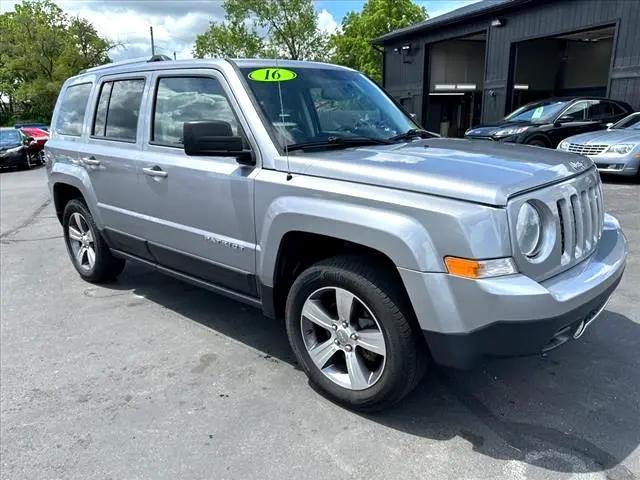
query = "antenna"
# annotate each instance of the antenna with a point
(286, 146)
(153, 45)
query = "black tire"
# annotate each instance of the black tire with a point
(406, 352)
(537, 142)
(27, 165)
(106, 267)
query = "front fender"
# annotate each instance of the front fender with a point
(404, 240)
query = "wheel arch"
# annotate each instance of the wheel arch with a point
(539, 136)
(292, 240)
(68, 182)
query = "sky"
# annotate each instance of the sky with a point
(176, 23)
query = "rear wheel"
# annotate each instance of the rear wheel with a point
(352, 332)
(88, 250)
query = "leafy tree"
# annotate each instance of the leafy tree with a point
(41, 46)
(261, 28)
(228, 40)
(351, 45)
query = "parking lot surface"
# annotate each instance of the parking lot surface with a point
(151, 378)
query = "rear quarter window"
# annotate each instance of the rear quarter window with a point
(72, 109)
(118, 110)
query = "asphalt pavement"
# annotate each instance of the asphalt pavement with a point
(151, 378)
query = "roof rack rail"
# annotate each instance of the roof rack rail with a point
(131, 61)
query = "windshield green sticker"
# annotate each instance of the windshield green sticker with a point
(272, 75)
(537, 113)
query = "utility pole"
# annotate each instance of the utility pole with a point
(174, 55)
(153, 47)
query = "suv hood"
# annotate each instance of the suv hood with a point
(477, 171)
(606, 137)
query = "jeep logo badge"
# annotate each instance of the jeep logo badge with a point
(577, 165)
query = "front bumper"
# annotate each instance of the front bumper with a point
(627, 165)
(13, 159)
(463, 319)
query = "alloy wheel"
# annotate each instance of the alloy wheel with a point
(343, 338)
(82, 242)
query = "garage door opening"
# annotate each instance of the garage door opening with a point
(456, 72)
(571, 64)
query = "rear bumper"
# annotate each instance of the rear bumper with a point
(463, 320)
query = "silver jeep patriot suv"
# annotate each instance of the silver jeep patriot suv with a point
(305, 190)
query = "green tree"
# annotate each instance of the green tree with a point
(41, 46)
(351, 46)
(264, 28)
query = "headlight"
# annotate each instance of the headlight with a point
(564, 145)
(509, 131)
(13, 150)
(528, 230)
(621, 148)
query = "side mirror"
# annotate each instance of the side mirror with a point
(216, 139)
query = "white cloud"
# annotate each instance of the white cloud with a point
(326, 22)
(175, 23)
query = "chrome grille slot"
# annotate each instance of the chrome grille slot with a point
(586, 149)
(586, 219)
(594, 216)
(578, 225)
(567, 230)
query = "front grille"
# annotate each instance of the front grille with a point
(573, 215)
(581, 217)
(586, 149)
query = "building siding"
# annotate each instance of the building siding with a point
(541, 18)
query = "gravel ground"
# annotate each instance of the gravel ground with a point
(152, 378)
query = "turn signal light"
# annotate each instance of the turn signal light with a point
(467, 268)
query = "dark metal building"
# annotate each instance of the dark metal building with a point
(478, 63)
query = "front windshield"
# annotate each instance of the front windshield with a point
(632, 122)
(318, 104)
(9, 138)
(538, 112)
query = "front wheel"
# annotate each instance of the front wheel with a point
(537, 142)
(352, 332)
(27, 165)
(89, 252)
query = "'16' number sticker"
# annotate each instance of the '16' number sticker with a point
(272, 75)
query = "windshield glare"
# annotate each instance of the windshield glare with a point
(320, 103)
(632, 122)
(9, 137)
(536, 112)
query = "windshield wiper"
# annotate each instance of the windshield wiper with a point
(413, 133)
(339, 142)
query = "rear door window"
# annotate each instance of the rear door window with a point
(118, 110)
(599, 110)
(72, 110)
(188, 99)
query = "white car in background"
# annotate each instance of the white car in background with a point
(615, 150)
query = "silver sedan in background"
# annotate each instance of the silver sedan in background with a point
(615, 150)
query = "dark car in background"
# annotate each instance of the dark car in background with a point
(14, 147)
(546, 123)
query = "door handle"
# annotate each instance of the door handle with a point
(90, 161)
(155, 172)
